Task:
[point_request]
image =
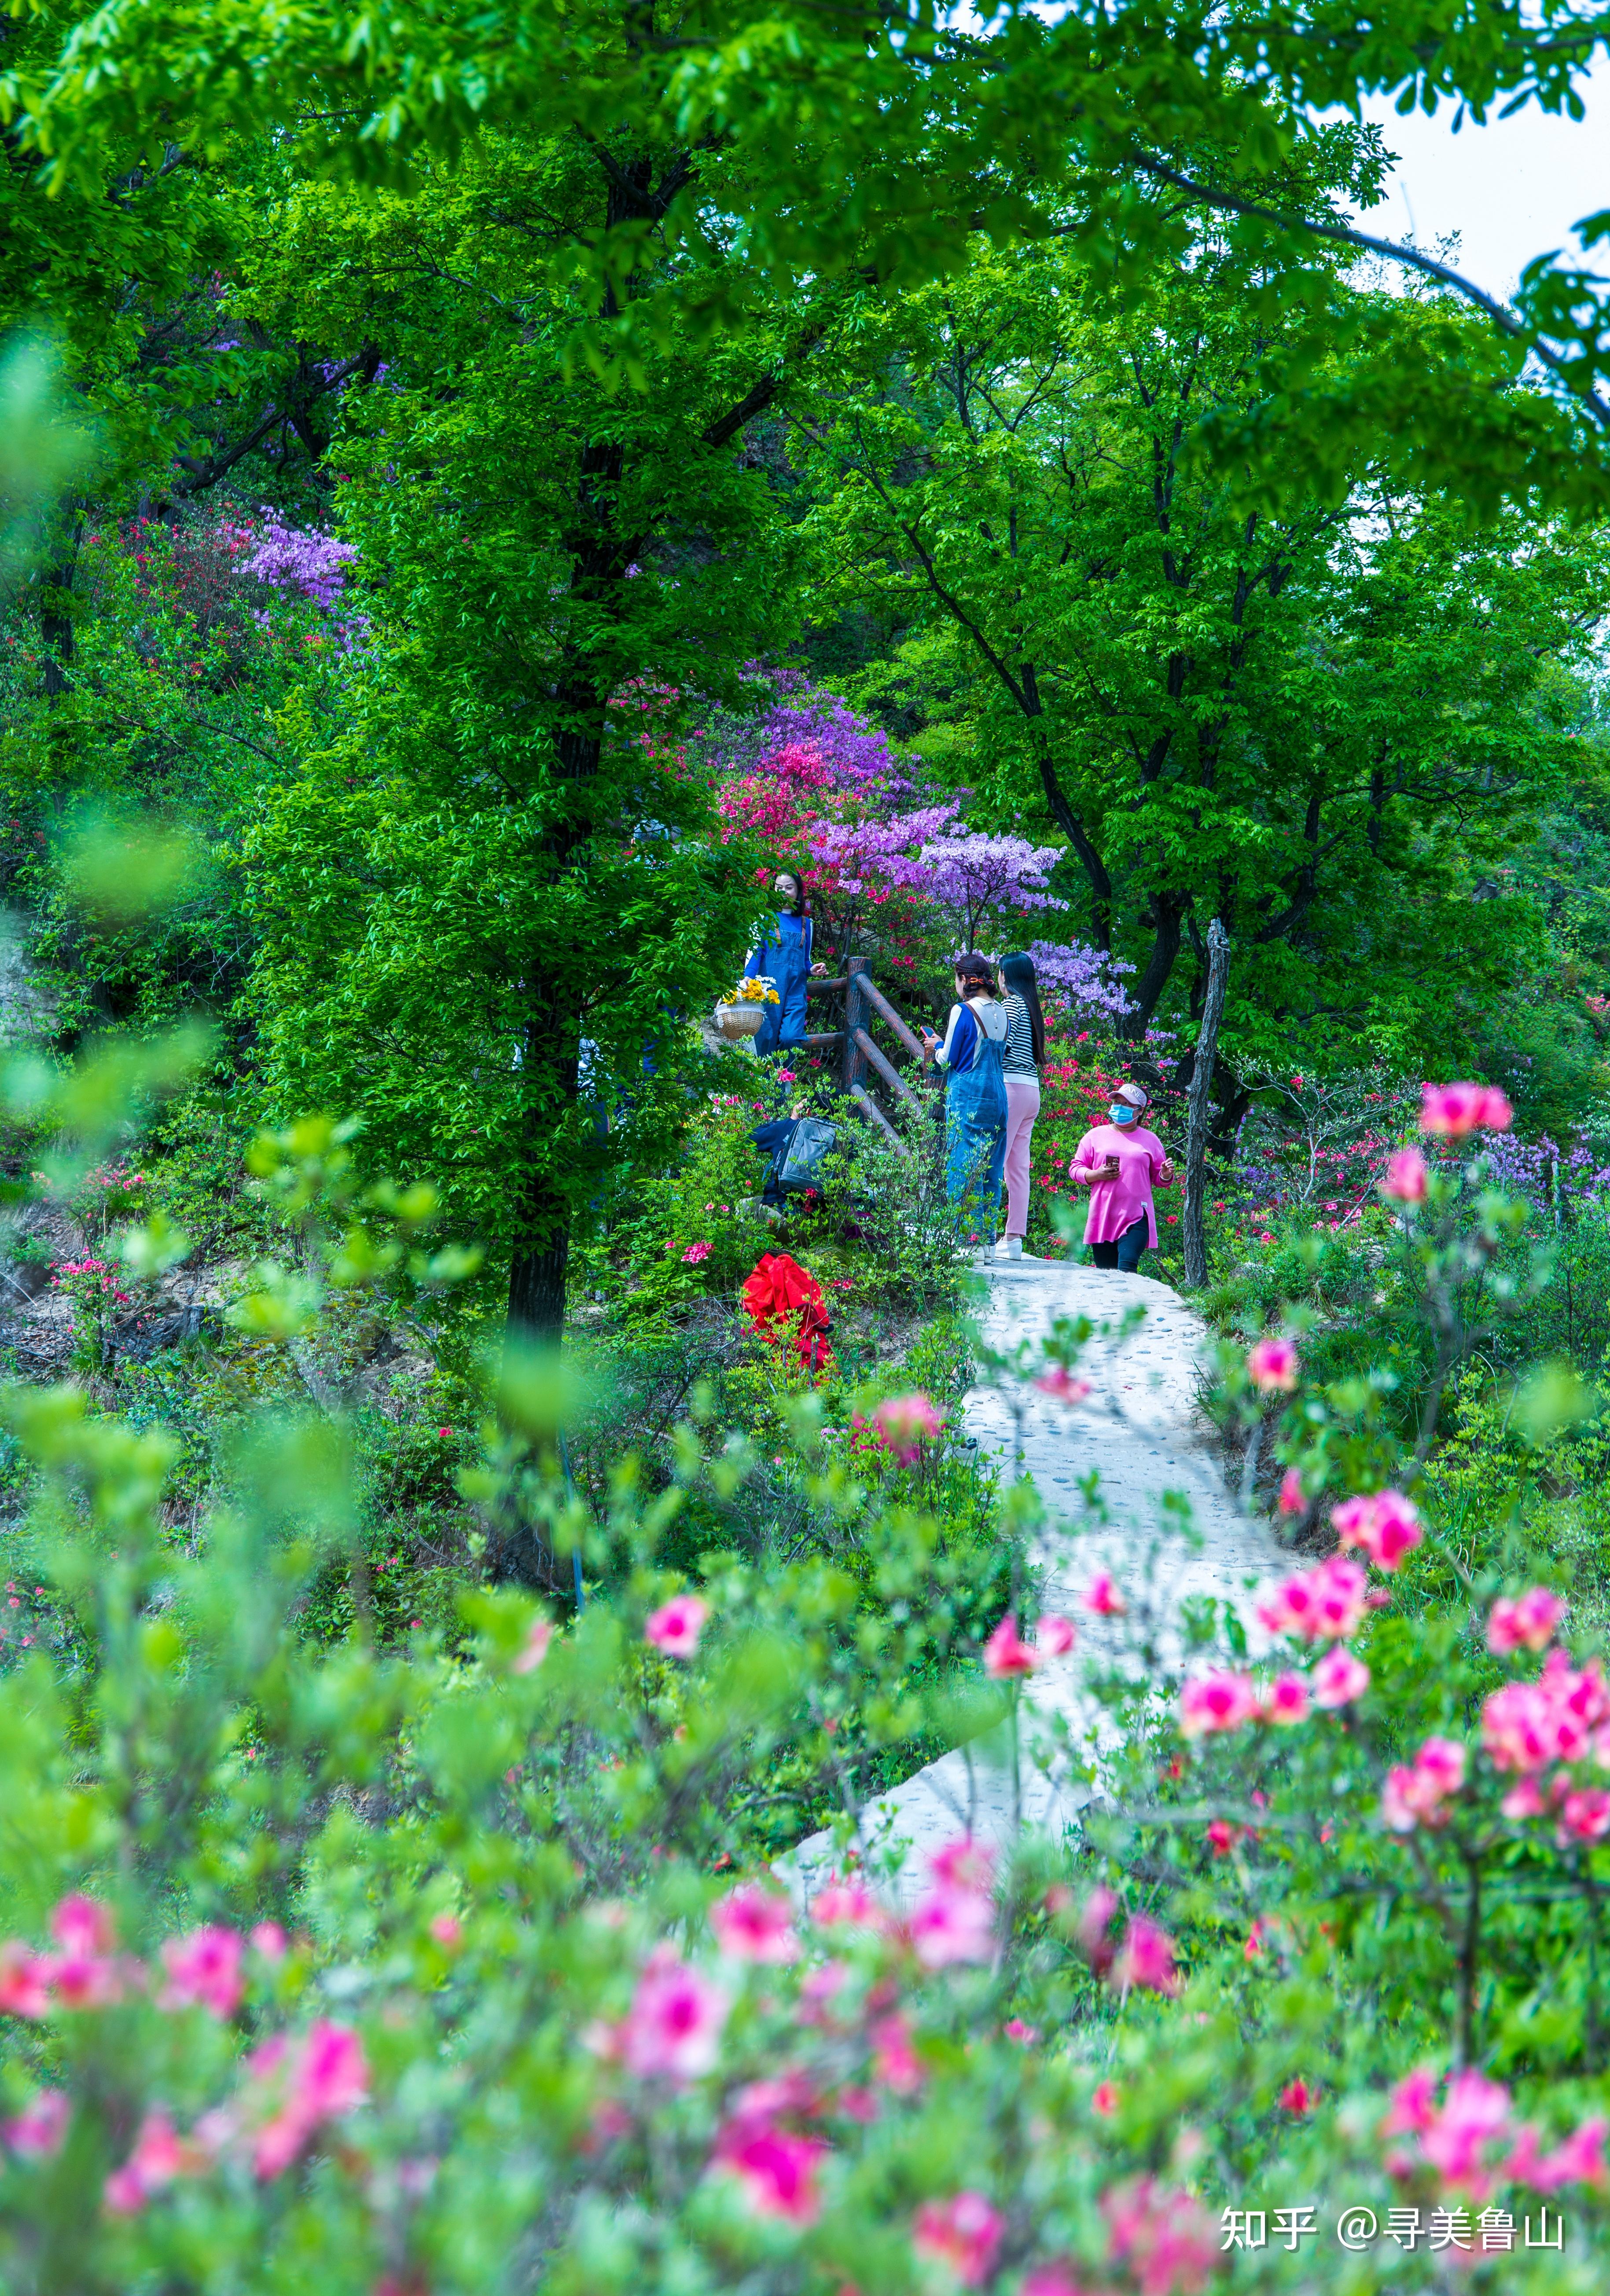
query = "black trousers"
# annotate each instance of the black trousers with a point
(1124, 1251)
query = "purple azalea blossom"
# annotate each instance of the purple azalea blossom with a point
(299, 558)
(1084, 977)
(974, 877)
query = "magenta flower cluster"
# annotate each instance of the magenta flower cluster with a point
(293, 2085)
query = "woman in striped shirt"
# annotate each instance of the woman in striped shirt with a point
(1024, 1057)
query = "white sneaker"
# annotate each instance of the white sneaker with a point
(1010, 1247)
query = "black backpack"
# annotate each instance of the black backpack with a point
(799, 1146)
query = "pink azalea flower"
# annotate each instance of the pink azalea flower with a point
(962, 2232)
(675, 1628)
(1064, 1385)
(755, 1924)
(1383, 1523)
(204, 1968)
(1104, 1597)
(848, 1901)
(1406, 1175)
(1413, 2103)
(776, 2171)
(1523, 1799)
(895, 2063)
(270, 1940)
(673, 2029)
(694, 1254)
(1006, 1655)
(1168, 2240)
(531, 1653)
(1055, 1635)
(1292, 1498)
(1578, 2161)
(1146, 1958)
(819, 1989)
(1475, 2117)
(319, 2077)
(1297, 2097)
(38, 2131)
(1418, 1796)
(962, 1864)
(84, 1974)
(1221, 1837)
(159, 2156)
(1051, 2280)
(1218, 1701)
(83, 1927)
(1451, 1112)
(1093, 1929)
(1585, 1816)
(1526, 1622)
(905, 1422)
(1339, 1678)
(24, 1981)
(1527, 1724)
(1104, 2098)
(950, 1925)
(1271, 1366)
(1285, 1700)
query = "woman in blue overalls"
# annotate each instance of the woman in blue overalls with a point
(784, 957)
(975, 1093)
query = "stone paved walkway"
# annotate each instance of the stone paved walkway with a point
(1143, 1434)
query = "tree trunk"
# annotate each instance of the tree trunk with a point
(1168, 911)
(550, 1046)
(536, 1287)
(55, 613)
(1201, 1081)
(550, 1070)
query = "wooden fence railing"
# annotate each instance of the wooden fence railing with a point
(859, 1053)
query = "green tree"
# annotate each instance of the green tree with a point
(885, 142)
(492, 898)
(1323, 721)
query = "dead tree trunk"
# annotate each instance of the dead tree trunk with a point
(1201, 1082)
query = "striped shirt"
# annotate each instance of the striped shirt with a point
(959, 1050)
(1019, 1038)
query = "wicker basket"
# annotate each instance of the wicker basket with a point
(736, 1022)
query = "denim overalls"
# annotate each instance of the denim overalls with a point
(975, 1126)
(786, 956)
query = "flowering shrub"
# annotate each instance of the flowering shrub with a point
(299, 559)
(422, 1956)
(96, 1293)
(902, 1426)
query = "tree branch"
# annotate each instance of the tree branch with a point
(1345, 235)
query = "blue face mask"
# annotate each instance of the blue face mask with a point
(1121, 1112)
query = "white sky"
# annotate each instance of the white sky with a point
(1511, 189)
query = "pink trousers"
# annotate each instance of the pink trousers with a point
(1023, 1106)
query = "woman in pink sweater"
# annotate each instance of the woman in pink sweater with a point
(1120, 1162)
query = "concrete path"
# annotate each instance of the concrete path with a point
(1142, 1436)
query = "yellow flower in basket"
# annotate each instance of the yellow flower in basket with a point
(760, 991)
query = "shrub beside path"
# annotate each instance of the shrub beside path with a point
(1143, 1433)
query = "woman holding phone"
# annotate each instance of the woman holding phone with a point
(1120, 1162)
(975, 1097)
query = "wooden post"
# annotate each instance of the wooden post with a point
(1202, 1080)
(855, 1063)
